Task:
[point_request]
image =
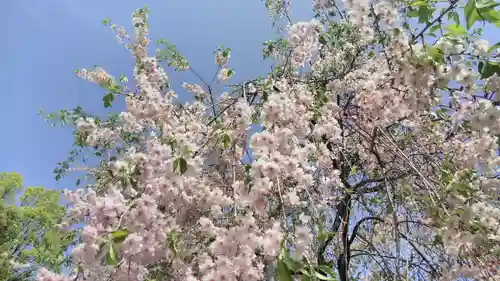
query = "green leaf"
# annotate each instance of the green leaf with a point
(108, 100)
(176, 164)
(418, 3)
(376, 200)
(111, 255)
(183, 165)
(454, 15)
(456, 30)
(323, 277)
(354, 170)
(436, 54)
(490, 15)
(471, 14)
(493, 48)
(255, 118)
(283, 273)
(226, 140)
(180, 163)
(103, 251)
(324, 235)
(326, 269)
(480, 4)
(322, 40)
(173, 240)
(172, 56)
(412, 13)
(119, 235)
(291, 263)
(488, 69)
(425, 14)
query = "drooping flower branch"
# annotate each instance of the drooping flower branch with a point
(379, 156)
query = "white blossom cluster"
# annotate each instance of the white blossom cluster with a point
(304, 41)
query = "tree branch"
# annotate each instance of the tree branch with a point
(439, 18)
(420, 254)
(358, 224)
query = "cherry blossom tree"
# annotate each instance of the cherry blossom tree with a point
(375, 156)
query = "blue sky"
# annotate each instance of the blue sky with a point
(46, 40)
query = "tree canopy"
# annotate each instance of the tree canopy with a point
(30, 238)
(370, 152)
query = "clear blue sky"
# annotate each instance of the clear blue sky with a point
(46, 40)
